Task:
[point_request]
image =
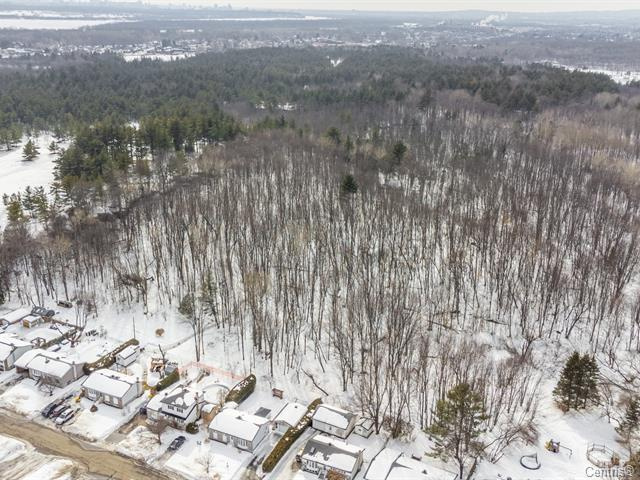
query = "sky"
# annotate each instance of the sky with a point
(424, 5)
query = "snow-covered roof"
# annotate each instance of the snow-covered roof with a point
(333, 416)
(110, 382)
(15, 315)
(127, 352)
(50, 363)
(237, 424)
(390, 464)
(8, 343)
(179, 396)
(291, 414)
(332, 453)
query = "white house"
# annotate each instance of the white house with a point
(333, 420)
(179, 405)
(323, 454)
(49, 367)
(390, 464)
(11, 349)
(127, 356)
(243, 430)
(112, 388)
(288, 417)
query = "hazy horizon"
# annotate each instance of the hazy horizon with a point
(422, 6)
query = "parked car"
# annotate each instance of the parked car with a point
(65, 304)
(48, 410)
(177, 443)
(65, 417)
(58, 410)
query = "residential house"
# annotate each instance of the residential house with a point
(288, 417)
(14, 316)
(11, 349)
(49, 368)
(112, 388)
(243, 430)
(390, 464)
(179, 405)
(333, 420)
(323, 455)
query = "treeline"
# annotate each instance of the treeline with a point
(105, 86)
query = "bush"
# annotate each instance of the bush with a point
(169, 380)
(192, 428)
(242, 390)
(109, 359)
(289, 438)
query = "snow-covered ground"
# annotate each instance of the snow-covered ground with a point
(20, 460)
(18, 174)
(622, 77)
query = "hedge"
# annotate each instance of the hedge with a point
(55, 341)
(109, 359)
(169, 380)
(192, 428)
(289, 438)
(242, 390)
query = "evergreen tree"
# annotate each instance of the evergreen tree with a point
(578, 384)
(208, 297)
(458, 425)
(631, 421)
(334, 135)
(30, 151)
(349, 185)
(398, 152)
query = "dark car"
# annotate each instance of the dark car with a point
(46, 411)
(177, 443)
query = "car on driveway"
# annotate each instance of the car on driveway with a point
(48, 410)
(57, 411)
(177, 443)
(65, 416)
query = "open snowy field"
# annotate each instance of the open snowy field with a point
(18, 174)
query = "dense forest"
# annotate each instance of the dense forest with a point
(455, 201)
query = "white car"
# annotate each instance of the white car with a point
(65, 416)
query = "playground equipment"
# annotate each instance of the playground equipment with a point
(602, 456)
(555, 447)
(530, 462)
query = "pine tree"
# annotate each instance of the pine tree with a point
(30, 151)
(578, 384)
(398, 152)
(632, 467)
(458, 425)
(631, 421)
(349, 185)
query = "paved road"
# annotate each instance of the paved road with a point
(96, 461)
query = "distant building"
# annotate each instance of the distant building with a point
(390, 464)
(334, 420)
(11, 349)
(179, 405)
(322, 455)
(242, 430)
(288, 417)
(49, 368)
(112, 388)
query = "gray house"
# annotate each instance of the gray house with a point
(334, 420)
(180, 406)
(11, 349)
(243, 430)
(49, 368)
(323, 454)
(112, 388)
